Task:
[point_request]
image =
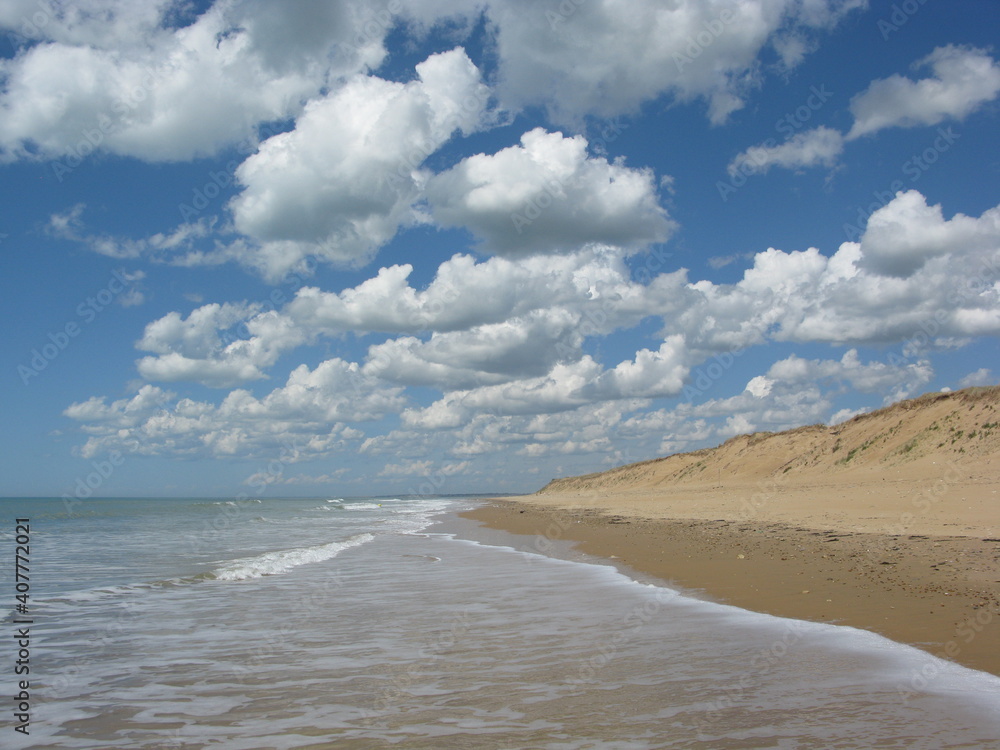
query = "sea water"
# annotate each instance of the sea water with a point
(377, 623)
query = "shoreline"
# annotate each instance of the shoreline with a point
(938, 592)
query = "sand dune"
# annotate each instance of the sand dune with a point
(914, 437)
(929, 465)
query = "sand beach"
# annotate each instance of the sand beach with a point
(889, 522)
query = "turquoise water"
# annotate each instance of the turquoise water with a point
(370, 623)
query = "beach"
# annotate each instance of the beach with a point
(359, 622)
(820, 553)
(888, 522)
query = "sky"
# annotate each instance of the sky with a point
(254, 248)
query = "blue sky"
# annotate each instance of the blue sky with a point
(381, 247)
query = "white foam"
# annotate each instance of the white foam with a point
(281, 561)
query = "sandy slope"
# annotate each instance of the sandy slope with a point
(929, 465)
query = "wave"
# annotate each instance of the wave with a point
(281, 561)
(362, 506)
(266, 564)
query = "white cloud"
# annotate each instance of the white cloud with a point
(333, 477)
(820, 146)
(902, 236)
(721, 261)
(519, 347)
(503, 341)
(466, 293)
(492, 321)
(455, 469)
(192, 348)
(340, 184)
(117, 77)
(262, 478)
(196, 335)
(606, 57)
(584, 431)
(158, 247)
(407, 469)
(565, 386)
(648, 375)
(964, 79)
(894, 381)
(124, 412)
(98, 23)
(345, 178)
(738, 424)
(945, 285)
(548, 195)
(982, 376)
(759, 386)
(558, 390)
(309, 414)
(500, 328)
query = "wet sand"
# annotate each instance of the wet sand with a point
(926, 581)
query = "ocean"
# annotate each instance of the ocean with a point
(393, 623)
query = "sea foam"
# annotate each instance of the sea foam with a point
(282, 561)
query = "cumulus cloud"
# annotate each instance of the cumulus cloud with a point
(98, 23)
(344, 179)
(406, 469)
(605, 57)
(548, 195)
(340, 184)
(906, 233)
(509, 324)
(550, 418)
(586, 430)
(759, 386)
(982, 376)
(333, 477)
(963, 79)
(648, 375)
(129, 79)
(520, 347)
(465, 293)
(893, 381)
(558, 390)
(820, 146)
(504, 342)
(194, 349)
(153, 81)
(424, 468)
(309, 413)
(566, 386)
(490, 321)
(913, 277)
